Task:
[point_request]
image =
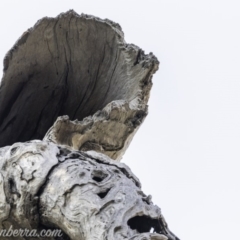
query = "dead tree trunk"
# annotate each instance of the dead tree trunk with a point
(67, 68)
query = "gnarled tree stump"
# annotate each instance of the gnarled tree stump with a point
(72, 97)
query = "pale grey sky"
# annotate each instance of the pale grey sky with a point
(187, 151)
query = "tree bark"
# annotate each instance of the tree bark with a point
(72, 97)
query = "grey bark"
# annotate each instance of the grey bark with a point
(74, 82)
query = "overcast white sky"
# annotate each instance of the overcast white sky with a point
(187, 151)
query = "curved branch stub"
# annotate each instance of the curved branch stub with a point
(80, 66)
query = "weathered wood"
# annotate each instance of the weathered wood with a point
(85, 194)
(74, 82)
(74, 65)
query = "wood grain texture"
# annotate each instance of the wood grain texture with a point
(72, 97)
(85, 194)
(72, 65)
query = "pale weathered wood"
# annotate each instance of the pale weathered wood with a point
(74, 82)
(75, 65)
(86, 194)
